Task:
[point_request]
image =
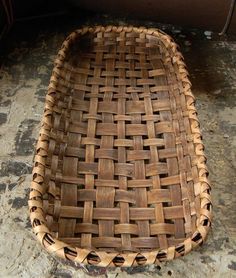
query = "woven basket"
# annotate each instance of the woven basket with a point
(119, 177)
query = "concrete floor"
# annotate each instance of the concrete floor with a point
(27, 63)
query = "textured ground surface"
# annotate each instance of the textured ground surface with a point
(24, 76)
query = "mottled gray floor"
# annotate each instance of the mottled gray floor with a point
(24, 76)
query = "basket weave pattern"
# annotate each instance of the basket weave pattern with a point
(120, 176)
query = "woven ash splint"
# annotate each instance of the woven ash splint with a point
(119, 177)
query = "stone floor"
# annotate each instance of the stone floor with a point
(27, 58)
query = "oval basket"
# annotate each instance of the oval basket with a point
(119, 177)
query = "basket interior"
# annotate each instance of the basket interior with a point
(121, 163)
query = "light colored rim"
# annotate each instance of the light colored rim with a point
(100, 258)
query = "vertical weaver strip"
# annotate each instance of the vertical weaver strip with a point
(139, 166)
(124, 206)
(68, 195)
(154, 157)
(170, 142)
(181, 128)
(86, 238)
(105, 196)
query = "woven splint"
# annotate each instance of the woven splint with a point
(119, 177)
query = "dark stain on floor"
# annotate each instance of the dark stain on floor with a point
(62, 274)
(4, 103)
(2, 187)
(207, 259)
(12, 186)
(10, 92)
(136, 269)
(24, 143)
(14, 168)
(18, 202)
(41, 94)
(232, 265)
(28, 224)
(93, 270)
(3, 118)
(18, 220)
(233, 252)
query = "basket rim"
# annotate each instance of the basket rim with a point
(109, 259)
